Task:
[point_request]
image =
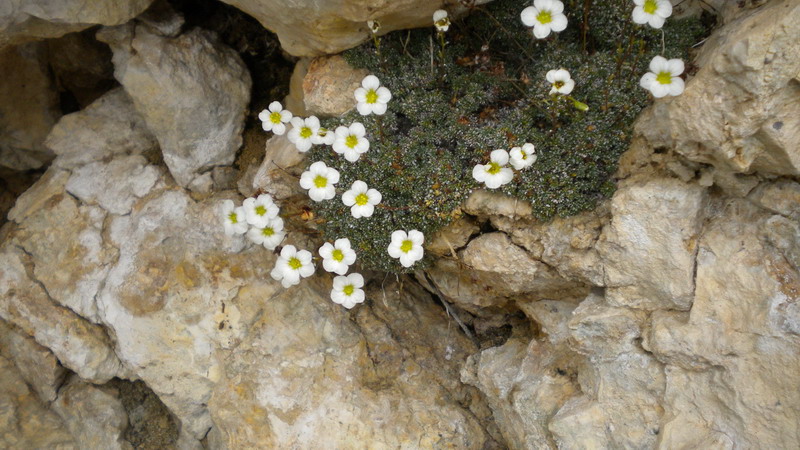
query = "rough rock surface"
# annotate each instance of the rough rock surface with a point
(328, 86)
(313, 28)
(25, 20)
(24, 421)
(741, 112)
(93, 415)
(191, 90)
(28, 107)
(312, 374)
(36, 364)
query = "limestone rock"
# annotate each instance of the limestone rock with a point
(79, 345)
(108, 127)
(56, 233)
(116, 185)
(452, 237)
(740, 112)
(24, 421)
(36, 364)
(311, 374)
(28, 106)
(328, 86)
(781, 197)
(483, 203)
(180, 290)
(565, 243)
(491, 270)
(93, 415)
(741, 331)
(25, 20)
(278, 171)
(649, 248)
(525, 385)
(311, 28)
(191, 90)
(295, 100)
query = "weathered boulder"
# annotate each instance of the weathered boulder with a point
(191, 90)
(312, 28)
(26, 20)
(312, 374)
(93, 415)
(328, 86)
(37, 365)
(525, 383)
(733, 359)
(741, 111)
(650, 245)
(108, 127)
(24, 421)
(491, 270)
(28, 107)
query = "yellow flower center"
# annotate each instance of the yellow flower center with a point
(260, 210)
(524, 155)
(320, 181)
(275, 117)
(295, 263)
(348, 290)
(664, 78)
(650, 6)
(372, 96)
(351, 141)
(362, 199)
(406, 246)
(337, 255)
(305, 132)
(493, 168)
(544, 17)
(268, 232)
(558, 84)
(232, 217)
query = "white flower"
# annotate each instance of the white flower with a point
(494, 174)
(372, 97)
(323, 136)
(664, 77)
(234, 219)
(441, 21)
(653, 12)
(406, 246)
(522, 157)
(320, 180)
(291, 265)
(561, 81)
(303, 132)
(347, 290)
(337, 258)
(351, 141)
(361, 199)
(270, 235)
(544, 16)
(374, 26)
(274, 118)
(259, 211)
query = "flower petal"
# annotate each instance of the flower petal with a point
(370, 82)
(379, 108)
(360, 95)
(357, 128)
(541, 31)
(676, 67)
(647, 80)
(659, 64)
(528, 16)
(639, 16)
(676, 87)
(559, 22)
(656, 21)
(384, 95)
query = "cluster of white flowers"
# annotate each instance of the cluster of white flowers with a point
(337, 258)
(495, 173)
(258, 217)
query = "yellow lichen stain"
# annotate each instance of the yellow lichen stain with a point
(187, 274)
